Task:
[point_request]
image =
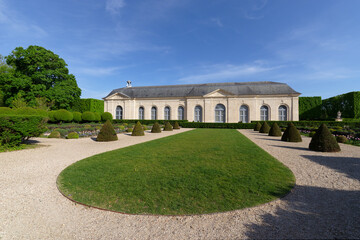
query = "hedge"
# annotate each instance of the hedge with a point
(217, 125)
(14, 129)
(309, 108)
(348, 104)
(315, 124)
(89, 105)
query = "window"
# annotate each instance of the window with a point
(220, 113)
(181, 113)
(119, 112)
(264, 113)
(141, 113)
(153, 113)
(198, 114)
(283, 113)
(167, 113)
(244, 114)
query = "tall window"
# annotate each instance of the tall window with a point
(220, 113)
(153, 113)
(119, 112)
(283, 113)
(167, 113)
(181, 113)
(141, 113)
(264, 113)
(244, 114)
(198, 114)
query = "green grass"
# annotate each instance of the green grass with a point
(200, 171)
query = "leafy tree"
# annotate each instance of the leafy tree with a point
(36, 72)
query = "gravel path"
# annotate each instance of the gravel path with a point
(324, 203)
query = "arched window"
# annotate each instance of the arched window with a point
(119, 112)
(181, 113)
(198, 114)
(283, 113)
(153, 113)
(244, 114)
(167, 113)
(141, 113)
(220, 113)
(264, 113)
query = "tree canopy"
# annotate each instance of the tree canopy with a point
(37, 73)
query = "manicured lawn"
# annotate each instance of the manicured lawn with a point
(200, 171)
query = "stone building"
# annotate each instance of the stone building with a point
(210, 102)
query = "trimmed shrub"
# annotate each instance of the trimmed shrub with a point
(72, 135)
(168, 127)
(51, 115)
(63, 132)
(90, 105)
(311, 134)
(156, 128)
(77, 117)
(275, 130)
(25, 111)
(106, 116)
(341, 139)
(265, 128)
(176, 125)
(63, 115)
(129, 129)
(257, 126)
(324, 141)
(138, 130)
(54, 134)
(107, 133)
(97, 116)
(309, 108)
(291, 134)
(6, 111)
(145, 128)
(88, 116)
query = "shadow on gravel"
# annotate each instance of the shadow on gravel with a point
(271, 139)
(290, 147)
(314, 213)
(31, 141)
(347, 165)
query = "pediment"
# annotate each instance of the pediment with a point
(117, 96)
(218, 93)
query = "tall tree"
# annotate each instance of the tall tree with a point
(39, 73)
(4, 72)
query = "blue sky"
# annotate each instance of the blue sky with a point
(314, 46)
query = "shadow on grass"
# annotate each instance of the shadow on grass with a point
(312, 212)
(347, 165)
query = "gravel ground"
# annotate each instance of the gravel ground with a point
(324, 203)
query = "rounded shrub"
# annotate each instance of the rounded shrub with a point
(324, 141)
(63, 132)
(176, 125)
(138, 130)
(42, 112)
(275, 130)
(265, 128)
(291, 134)
(257, 126)
(72, 135)
(88, 116)
(107, 133)
(106, 116)
(63, 115)
(54, 134)
(5, 110)
(51, 115)
(122, 127)
(341, 139)
(168, 127)
(156, 128)
(77, 117)
(129, 129)
(97, 116)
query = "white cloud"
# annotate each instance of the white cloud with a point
(217, 21)
(226, 72)
(114, 6)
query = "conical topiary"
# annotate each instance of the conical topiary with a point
(176, 125)
(275, 130)
(291, 134)
(265, 128)
(324, 141)
(168, 127)
(156, 128)
(257, 126)
(138, 130)
(107, 133)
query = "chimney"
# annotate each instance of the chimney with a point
(128, 83)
